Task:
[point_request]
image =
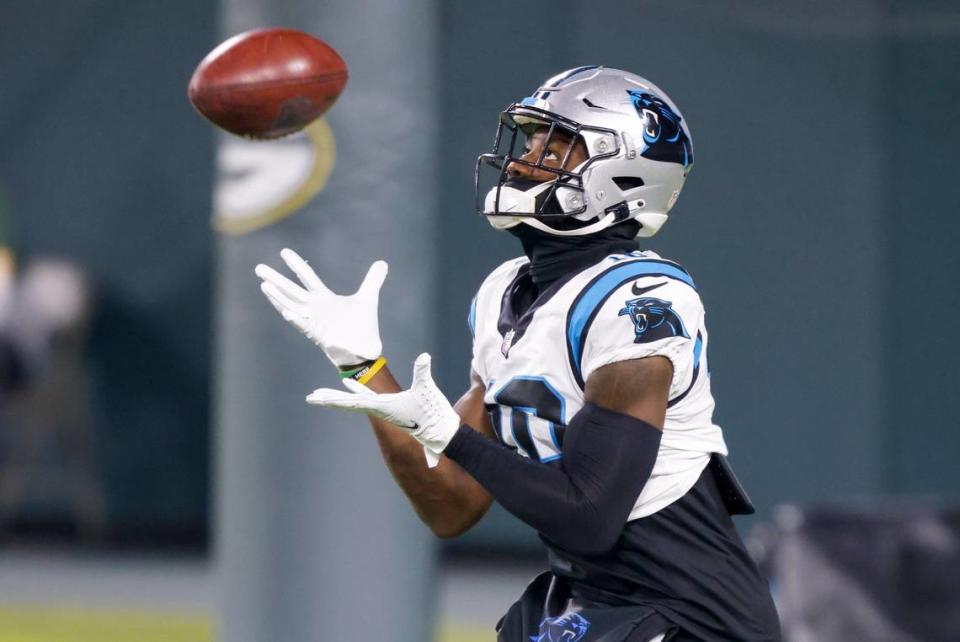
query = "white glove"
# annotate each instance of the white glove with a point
(344, 327)
(422, 410)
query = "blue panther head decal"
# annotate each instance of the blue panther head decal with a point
(666, 141)
(653, 319)
(568, 627)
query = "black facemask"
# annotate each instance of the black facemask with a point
(552, 256)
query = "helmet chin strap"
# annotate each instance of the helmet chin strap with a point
(513, 199)
(520, 200)
(507, 198)
(602, 224)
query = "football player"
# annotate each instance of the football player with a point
(589, 415)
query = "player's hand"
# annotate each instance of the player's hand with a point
(344, 327)
(422, 410)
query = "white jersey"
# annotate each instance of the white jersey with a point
(627, 306)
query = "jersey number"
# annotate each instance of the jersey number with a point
(536, 414)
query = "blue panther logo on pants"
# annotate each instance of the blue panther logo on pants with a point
(568, 627)
(653, 319)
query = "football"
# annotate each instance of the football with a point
(267, 83)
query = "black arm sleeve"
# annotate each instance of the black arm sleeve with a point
(582, 504)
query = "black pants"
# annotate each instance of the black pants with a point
(682, 571)
(576, 621)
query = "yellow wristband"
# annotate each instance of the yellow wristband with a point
(367, 374)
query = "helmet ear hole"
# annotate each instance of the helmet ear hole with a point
(641, 203)
(626, 183)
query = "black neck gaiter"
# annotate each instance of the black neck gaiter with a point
(552, 256)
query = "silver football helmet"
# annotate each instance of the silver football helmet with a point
(639, 152)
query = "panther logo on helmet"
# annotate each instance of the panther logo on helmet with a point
(666, 141)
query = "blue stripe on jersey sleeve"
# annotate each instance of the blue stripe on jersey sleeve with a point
(697, 350)
(472, 317)
(596, 293)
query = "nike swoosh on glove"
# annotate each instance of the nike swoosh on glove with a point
(344, 327)
(421, 411)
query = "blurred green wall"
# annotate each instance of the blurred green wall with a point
(104, 162)
(819, 220)
(920, 299)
